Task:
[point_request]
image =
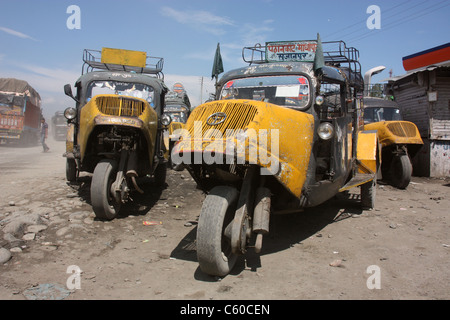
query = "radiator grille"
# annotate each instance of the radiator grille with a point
(238, 116)
(402, 129)
(120, 106)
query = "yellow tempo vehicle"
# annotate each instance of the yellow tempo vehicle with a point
(400, 140)
(115, 130)
(178, 108)
(285, 133)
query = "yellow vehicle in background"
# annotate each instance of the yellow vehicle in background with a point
(400, 140)
(284, 134)
(178, 108)
(115, 130)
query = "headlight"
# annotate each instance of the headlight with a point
(325, 131)
(319, 100)
(165, 120)
(70, 113)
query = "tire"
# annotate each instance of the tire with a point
(161, 174)
(400, 171)
(71, 170)
(368, 194)
(103, 203)
(213, 248)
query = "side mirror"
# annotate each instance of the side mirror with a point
(68, 90)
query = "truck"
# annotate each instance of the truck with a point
(59, 126)
(20, 112)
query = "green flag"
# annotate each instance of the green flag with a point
(319, 60)
(217, 66)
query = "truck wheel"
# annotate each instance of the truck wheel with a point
(368, 194)
(161, 174)
(103, 202)
(213, 247)
(71, 170)
(401, 171)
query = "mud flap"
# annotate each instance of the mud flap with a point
(368, 160)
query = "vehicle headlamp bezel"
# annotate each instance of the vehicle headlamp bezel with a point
(166, 119)
(70, 113)
(319, 100)
(325, 131)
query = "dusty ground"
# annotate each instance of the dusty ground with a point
(406, 237)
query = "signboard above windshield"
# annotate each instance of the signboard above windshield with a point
(301, 51)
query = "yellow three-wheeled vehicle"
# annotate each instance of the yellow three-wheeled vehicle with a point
(115, 130)
(285, 133)
(400, 140)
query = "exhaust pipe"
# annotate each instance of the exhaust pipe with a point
(261, 216)
(131, 170)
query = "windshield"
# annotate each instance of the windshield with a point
(177, 116)
(289, 91)
(59, 120)
(135, 90)
(177, 112)
(376, 114)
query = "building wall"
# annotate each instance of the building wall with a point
(440, 120)
(440, 158)
(413, 103)
(432, 118)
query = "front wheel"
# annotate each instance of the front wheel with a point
(103, 202)
(71, 170)
(401, 171)
(160, 174)
(214, 252)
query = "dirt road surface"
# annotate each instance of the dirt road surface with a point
(55, 249)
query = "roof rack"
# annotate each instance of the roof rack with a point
(258, 49)
(93, 60)
(336, 54)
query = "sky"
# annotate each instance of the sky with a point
(42, 41)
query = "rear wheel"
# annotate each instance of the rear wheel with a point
(103, 202)
(401, 171)
(368, 194)
(214, 252)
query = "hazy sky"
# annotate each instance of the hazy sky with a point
(38, 46)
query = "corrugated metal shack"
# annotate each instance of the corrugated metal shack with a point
(423, 95)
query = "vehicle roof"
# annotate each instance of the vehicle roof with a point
(19, 88)
(123, 76)
(287, 68)
(372, 102)
(273, 68)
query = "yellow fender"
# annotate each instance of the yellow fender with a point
(368, 152)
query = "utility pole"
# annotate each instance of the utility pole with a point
(201, 90)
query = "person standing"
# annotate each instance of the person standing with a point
(44, 134)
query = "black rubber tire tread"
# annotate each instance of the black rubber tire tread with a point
(71, 170)
(217, 211)
(401, 171)
(160, 174)
(105, 207)
(368, 194)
